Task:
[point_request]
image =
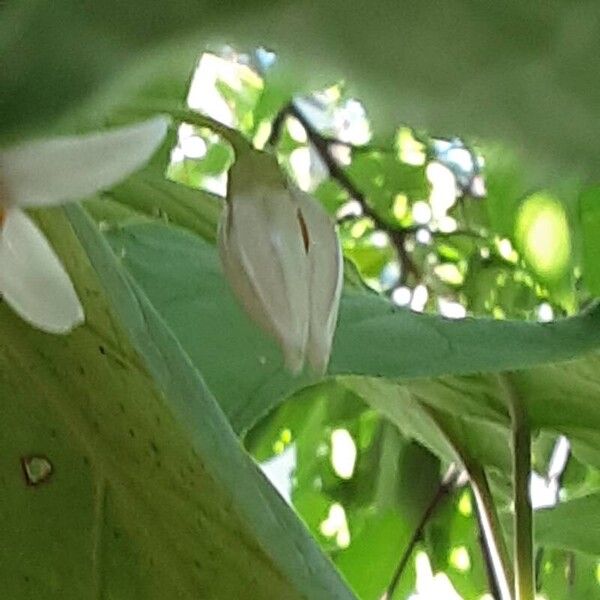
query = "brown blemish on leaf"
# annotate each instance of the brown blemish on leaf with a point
(36, 469)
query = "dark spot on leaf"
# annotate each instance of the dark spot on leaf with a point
(102, 350)
(154, 447)
(36, 469)
(132, 433)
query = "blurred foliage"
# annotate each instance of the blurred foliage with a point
(516, 72)
(468, 226)
(443, 226)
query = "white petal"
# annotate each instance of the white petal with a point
(48, 172)
(32, 279)
(326, 279)
(263, 257)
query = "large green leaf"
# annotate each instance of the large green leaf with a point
(119, 474)
(515, 71)
(181, 275)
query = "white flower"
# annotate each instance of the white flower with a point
(47, 173)
(282, 257)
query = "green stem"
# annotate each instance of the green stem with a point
(492, 529)
(238, 142)
(523, 518)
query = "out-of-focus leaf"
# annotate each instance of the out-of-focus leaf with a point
(393, 480)
(401, 479)
(571, 525)
(370, 259)
(331, 195)
(120, 474)
(149, 193)
(507, 184)
(589, 214)
(453, 70)
(381, 177)
(568, 576)
(380, 545)
(454, 436)
(452, 539)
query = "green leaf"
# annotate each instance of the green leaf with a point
(381, 176)
(455, 548)
(589, 214)
(380, 545)
(571, 525)
(121, 476)
(568, 576)
(149, 193)
(181, 275)
(449, 433)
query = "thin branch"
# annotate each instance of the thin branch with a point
(523, 518)
(323, 148)
(277, 127)
(445, 487)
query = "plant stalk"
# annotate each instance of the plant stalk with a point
(523, 513)
(491, 531)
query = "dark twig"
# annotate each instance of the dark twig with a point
(276, 127)
(445, 487)
(323, 148)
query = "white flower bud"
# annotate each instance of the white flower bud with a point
(325, 272)
(281, 255)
